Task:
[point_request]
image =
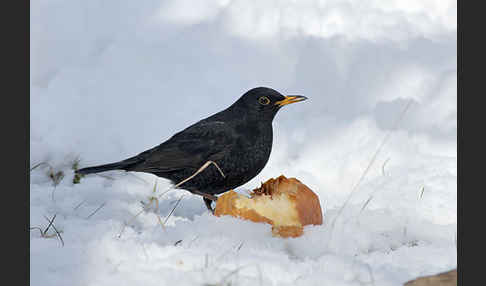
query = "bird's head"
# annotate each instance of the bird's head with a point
(264, 102)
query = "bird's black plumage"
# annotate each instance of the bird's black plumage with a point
(238, 139)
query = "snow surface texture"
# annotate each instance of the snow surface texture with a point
(110, 79)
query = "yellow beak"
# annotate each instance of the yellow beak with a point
(290, 99)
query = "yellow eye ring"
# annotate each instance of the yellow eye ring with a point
(264, 100)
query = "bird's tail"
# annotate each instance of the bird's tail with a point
(102, 168)
(127, 165)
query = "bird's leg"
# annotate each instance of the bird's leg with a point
(207, 198)
(208, 204)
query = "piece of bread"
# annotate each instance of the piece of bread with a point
(286, 204)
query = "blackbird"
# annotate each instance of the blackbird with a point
(218, 153)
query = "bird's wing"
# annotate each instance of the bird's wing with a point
(190, 148)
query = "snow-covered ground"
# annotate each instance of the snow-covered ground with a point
(110, 79)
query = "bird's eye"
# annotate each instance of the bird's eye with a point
(264, 100)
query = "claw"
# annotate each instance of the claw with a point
(208, 202)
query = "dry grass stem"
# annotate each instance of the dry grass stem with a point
(93, 213)
(43, 233)
(383, 167)
(241, 245)
(105, 176)
(51, 221)
(172, 211)
(80, 204)
(39, 164)
(373, 158)
(152, 199)
(203, 167)
(366, 203)
(422, 192)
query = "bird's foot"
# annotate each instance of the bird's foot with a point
(207, 198)
(208, 202)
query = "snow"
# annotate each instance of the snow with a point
(110, 79)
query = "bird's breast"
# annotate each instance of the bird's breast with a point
(249, 155)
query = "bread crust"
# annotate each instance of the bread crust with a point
(285, 203)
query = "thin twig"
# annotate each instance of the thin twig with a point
(232, 273)
(373, 158)
(138, 178)
(202, 168)
(50, 222)
(239, 247)
(155, 186)
(37, 165)
(383, 167)
(125, 224)
(154, 198)
(102, 205)
(36, 227)
(160, 222)
(145, 208)
(52, 193)
(422, 192)
(194, 239)
(76, 207)
(366, 203)
(105, 176)
(219, 258)
(57, 177)
(58, 234)
(173, 209)
(135, 216)
(156, 205)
